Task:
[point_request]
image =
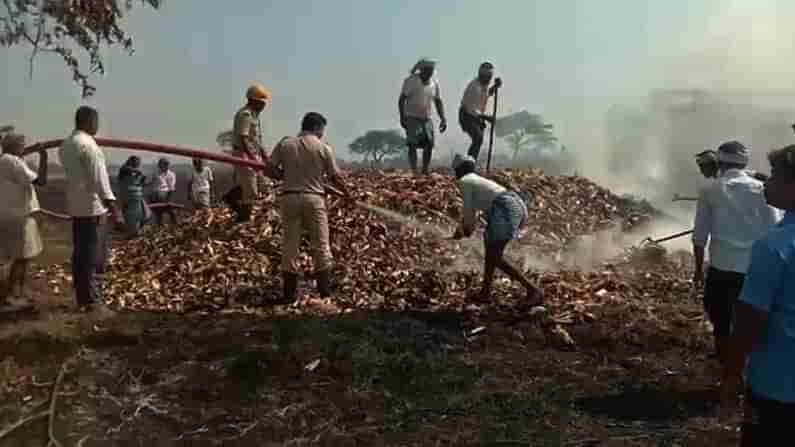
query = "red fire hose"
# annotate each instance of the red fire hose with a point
(149, 147)
(157, 148)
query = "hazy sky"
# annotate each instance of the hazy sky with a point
(568, 60)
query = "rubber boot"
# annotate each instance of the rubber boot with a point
(289, 287)
(324, 283)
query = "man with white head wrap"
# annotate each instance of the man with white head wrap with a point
(505, 212)
(21, 241)
(732, 214)
(472, 115)
(419, 92)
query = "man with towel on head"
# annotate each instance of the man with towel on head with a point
(732, 214)
(505, 212)
(21, 240)
(420, 91)
(472, 115)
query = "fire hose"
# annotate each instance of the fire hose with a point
(148, 147)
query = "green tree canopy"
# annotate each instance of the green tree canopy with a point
(68, 28)
(523, 131)
(375, 145)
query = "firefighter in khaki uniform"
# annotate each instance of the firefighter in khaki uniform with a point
(304, 163)
(248, 144)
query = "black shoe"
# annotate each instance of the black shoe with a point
(289, 288)
(324, 283)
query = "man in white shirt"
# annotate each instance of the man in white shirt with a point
(417, 97)
(165, 185)
(21, 240)
(472, 115)
(505, 212)
(201, 187)
(89, 199)
(732, 214)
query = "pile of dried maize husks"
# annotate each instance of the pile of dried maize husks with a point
(208, 264)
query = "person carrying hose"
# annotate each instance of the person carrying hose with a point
(247, 143)
(303, 163)
(472, 115)
(506, 213)
(89, 199)
(21, 240)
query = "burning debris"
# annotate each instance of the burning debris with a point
(208, 264)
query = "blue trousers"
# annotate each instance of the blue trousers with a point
(89, 253)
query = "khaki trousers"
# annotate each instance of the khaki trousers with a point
(246, 178)
(305, 212)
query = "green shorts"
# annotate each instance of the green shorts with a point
(420, 132)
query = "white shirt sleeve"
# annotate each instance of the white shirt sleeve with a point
(23, 175)
(97, 173)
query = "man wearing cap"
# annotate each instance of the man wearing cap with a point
(419, 92)
(732, 214)
(505, 212)
(247, 143)
(472, 115)
(304, 162)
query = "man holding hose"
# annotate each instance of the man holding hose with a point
(303, 163)
(89, 199)
(247, 136)
(21, 240)
(506, 212)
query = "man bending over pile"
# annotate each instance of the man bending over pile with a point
(765, 322)
(303, 162)
(506, 213)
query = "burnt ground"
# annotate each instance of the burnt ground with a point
(356, 379)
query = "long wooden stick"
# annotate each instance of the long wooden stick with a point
(493, 124)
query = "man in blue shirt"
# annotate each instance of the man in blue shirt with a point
(764, 334)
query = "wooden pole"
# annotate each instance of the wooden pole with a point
(494, 121)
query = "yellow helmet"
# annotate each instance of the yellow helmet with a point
(258, 92)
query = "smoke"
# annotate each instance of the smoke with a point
(732, 81)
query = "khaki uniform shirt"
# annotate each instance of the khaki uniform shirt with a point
(306, 160)
(246, 127)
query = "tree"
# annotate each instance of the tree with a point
(375, 145)
(524, 130)
(67, 28)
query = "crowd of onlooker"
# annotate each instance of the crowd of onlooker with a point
(144, 199)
